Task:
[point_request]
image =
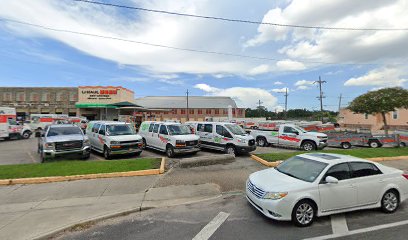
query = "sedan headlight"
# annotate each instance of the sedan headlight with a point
(49, 145)
(114, 142)
(275, 195)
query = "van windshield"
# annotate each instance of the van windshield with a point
(235, 129)
(116, 130)
(178, 129)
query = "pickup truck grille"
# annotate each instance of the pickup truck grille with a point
(259, 193)
(69, 145)
(191, 143)
(251, 142)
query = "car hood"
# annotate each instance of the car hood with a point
(134, 137)
(272, 180)
(246, 137)
(316, 134)
(65, 138)
(189, 137)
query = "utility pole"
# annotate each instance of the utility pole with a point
(188, 119)
(320, 82)
(286, 102)
(340, 102)
(259, 107)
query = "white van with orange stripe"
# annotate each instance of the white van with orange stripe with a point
(289, 135)
(9, 128)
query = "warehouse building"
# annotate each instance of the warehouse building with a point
(115, 103)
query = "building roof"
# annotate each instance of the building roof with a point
(181, 102)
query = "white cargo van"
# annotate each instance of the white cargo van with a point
(224, 136)
(9, 128)
(173, 138)
(112, 138)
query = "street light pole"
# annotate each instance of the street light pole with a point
(187, 106)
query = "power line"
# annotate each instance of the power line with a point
(239, 20)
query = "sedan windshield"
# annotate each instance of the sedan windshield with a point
(178, 130)
(58, 131)
(116, 130)
(235, 129)
(302, 168)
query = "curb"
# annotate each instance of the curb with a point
(276, 163)
(60, 230)
(264, 162)
(84, 176)
(206, 161)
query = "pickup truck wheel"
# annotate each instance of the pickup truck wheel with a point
(346, 145)
(261, 142)
(106, 153)
(170, 151)
(26, 134)
(308, 146)
(374, 144)
(230, 150)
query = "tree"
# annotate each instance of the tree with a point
(381, 102)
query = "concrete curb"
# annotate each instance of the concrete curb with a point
(276, 163)
(206, 160)
(264, 162)
(53, 233)
(84, 176)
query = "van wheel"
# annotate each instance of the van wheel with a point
(304, 213)
(390, 201)
(230, 150)
(402, 144)
(374, 144)
(106, 153)
(170, 151)
(346, 145)
(26, 134)
(261, 141)
(308, 146)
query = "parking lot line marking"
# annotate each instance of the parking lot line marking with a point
(31, 156)
(339, 224)
(362, 230)
(212, 226)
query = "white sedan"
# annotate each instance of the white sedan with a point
(319, 184)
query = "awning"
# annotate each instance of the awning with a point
(93, 105)
(125, 104)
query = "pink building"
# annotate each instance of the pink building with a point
(395, 120)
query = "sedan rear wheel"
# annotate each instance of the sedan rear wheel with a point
(303, 213)
(390, 201)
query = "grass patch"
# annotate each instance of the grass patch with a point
(361, 153)
(76, 167)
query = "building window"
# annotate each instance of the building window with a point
(217, 111)
(183, 111)
(60, 96)
(20, 97)
(208, 111)
(191, 111)
(174, 111)
(73, 96)
(366, 116)
(34, 97)
(233, 111)
(200, 111)
(240, 112)
(395, 115)
(46, 97)
(7, 97)
(225, 111)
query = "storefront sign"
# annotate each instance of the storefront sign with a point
(99, 94)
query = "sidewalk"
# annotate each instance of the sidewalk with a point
(33, 211)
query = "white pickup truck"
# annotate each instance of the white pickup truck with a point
(289, 135)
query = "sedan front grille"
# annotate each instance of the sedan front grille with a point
(259, 193)
(68, 145)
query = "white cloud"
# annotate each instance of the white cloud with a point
(172, 81)
(278, 83)
(244, 97)
(289, 65)
(280, 90)
(261, 69)
(384, 77)
(303, 84)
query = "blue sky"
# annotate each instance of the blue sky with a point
(359, 60)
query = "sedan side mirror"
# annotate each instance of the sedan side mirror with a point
(331, 180)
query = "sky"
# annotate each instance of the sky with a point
(351, 62)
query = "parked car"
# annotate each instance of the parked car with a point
(223, 136)
(113, 138)
(172, 138)
(62, 139)
(10, 128)
(290, 135)
(316, 184)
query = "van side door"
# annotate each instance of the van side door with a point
(101, 136)
(289, 136)
(222, 136)
(155, 140)
(163, 137)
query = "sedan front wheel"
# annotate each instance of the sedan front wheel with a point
(304, 213)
